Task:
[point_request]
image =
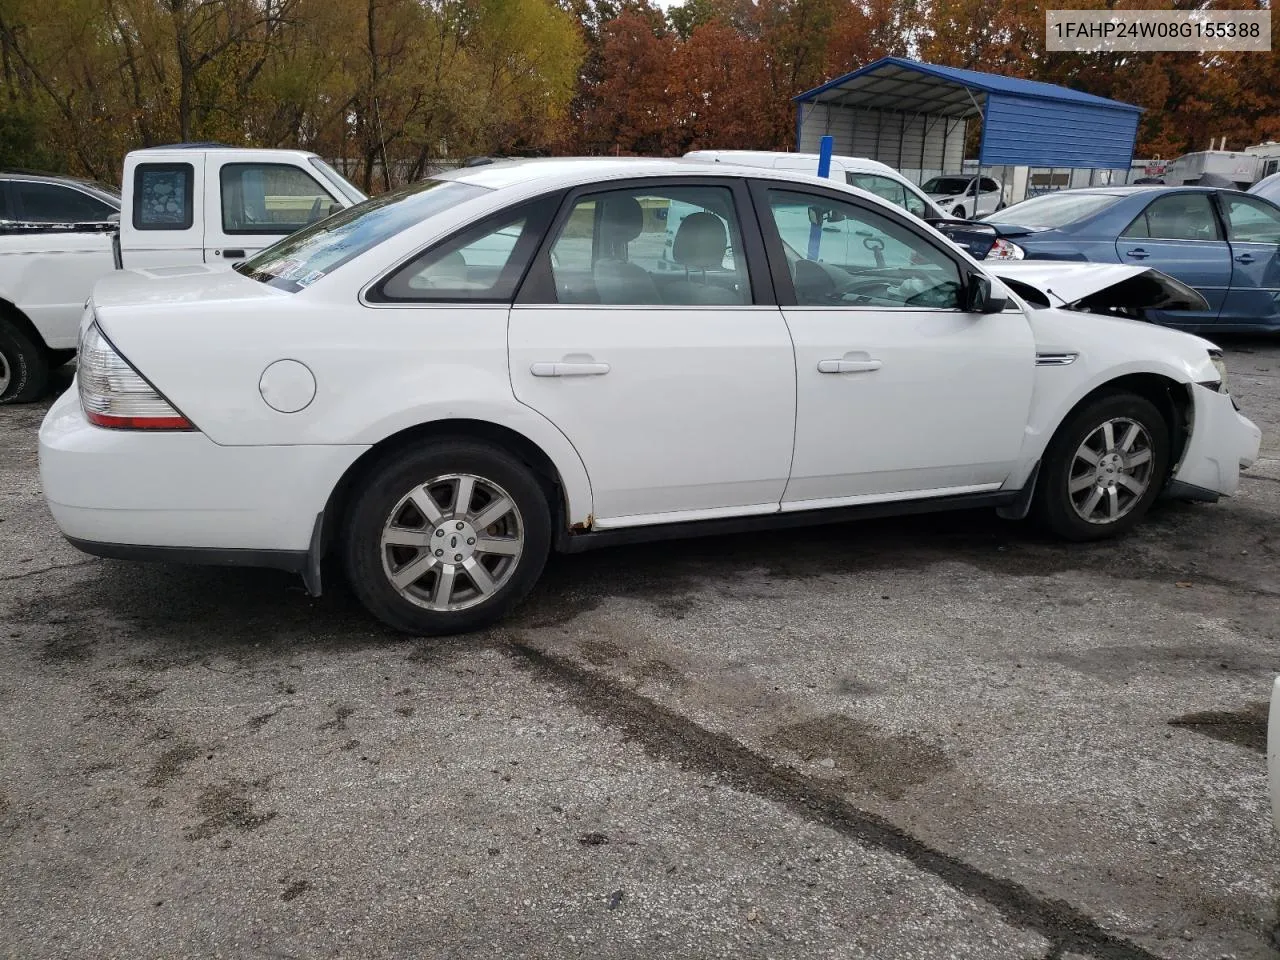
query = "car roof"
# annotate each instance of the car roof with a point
(574, 171)
(747, 158)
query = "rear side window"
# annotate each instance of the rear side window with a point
(260, 198)
(988, 185)
(162, 196)
(483, 264)
(1252, 221)
(1178, 216)
(51, 203)
(1054, 210)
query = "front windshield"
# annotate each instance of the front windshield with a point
(947, 185)
(343, 185)
(1050, 211)
(302, 258)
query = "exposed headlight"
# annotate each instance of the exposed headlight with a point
(1004, 250)
(1219, 364)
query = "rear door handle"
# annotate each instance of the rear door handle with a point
(849, 366)
(569, 368)
(233, 254)
(1138, 253)
(1244, 258)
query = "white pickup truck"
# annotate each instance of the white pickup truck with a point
(180, 205)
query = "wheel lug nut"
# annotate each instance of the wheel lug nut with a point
(457, 556)
(459, 525)
(439, 533)
(471, 540)
(439, 553)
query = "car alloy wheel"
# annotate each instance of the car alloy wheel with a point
(452, 542)
(1111, 471)
(5, 373)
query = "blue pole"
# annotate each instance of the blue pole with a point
(825, 149)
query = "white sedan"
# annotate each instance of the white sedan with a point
(443, 384)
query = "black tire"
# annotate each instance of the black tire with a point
(958, 213)
(1054, 505)
(59, 358)
(384, 491)
(24, 364)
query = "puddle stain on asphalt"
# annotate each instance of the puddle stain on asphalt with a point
(227, 807)
(171, 765)
(861, 756)
(1245, 728)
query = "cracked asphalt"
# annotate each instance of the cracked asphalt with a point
(928, 738)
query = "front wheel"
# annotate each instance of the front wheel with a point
(24, 366)
(1104, 468)
(446, 538)
(958, 213)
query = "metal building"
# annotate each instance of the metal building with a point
(914, 116)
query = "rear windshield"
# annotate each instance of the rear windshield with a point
(1053, 210)
(302, 258)
(947, 185)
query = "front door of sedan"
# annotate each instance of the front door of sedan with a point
(644, 332)
(1253, 227)
(1179, 234)
(900, 392)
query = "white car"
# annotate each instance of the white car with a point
(963, 197)
(443, 384)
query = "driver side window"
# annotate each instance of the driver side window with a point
(271, 198)
(842, 255)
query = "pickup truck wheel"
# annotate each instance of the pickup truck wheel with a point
(446, 538)
(1104, 468)
(24, 367)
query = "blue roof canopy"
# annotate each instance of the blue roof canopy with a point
(1025, 122)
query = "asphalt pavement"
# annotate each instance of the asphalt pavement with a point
(928, 738)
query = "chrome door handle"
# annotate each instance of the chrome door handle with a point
(849, 366)
(1138, 253)
(569, 368)
(1244, 258)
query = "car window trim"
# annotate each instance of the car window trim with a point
(542, 208)
(782, 281)
(538, 286)
(1218, 217)
(12, 197)
(275, 230)
(1224, 213)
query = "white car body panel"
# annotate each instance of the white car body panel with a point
(50, 281)
(946, 409)
(696, 412)
(694, 419)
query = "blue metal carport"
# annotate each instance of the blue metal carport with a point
(914, 116)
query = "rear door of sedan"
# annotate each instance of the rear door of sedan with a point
(647, 332)
(1178, 233)
(1253, 231)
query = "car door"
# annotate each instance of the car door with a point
(646, 332)
(250, 204)
(1253, 232)
(1179, 234)
(988, 196)
(900, 393)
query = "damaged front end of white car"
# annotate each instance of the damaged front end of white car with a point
(1115, 290)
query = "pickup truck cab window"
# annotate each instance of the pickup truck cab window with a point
(271, 198)
(162, 196)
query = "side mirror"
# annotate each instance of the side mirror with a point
(979, 297)
(335, 208)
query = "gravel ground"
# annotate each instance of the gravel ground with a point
(934, 738)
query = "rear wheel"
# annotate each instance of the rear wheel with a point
(447, 538)
(1104, 468)
(24, 366)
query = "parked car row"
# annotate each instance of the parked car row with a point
(440, 385)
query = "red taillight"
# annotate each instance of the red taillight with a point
(115, 396)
